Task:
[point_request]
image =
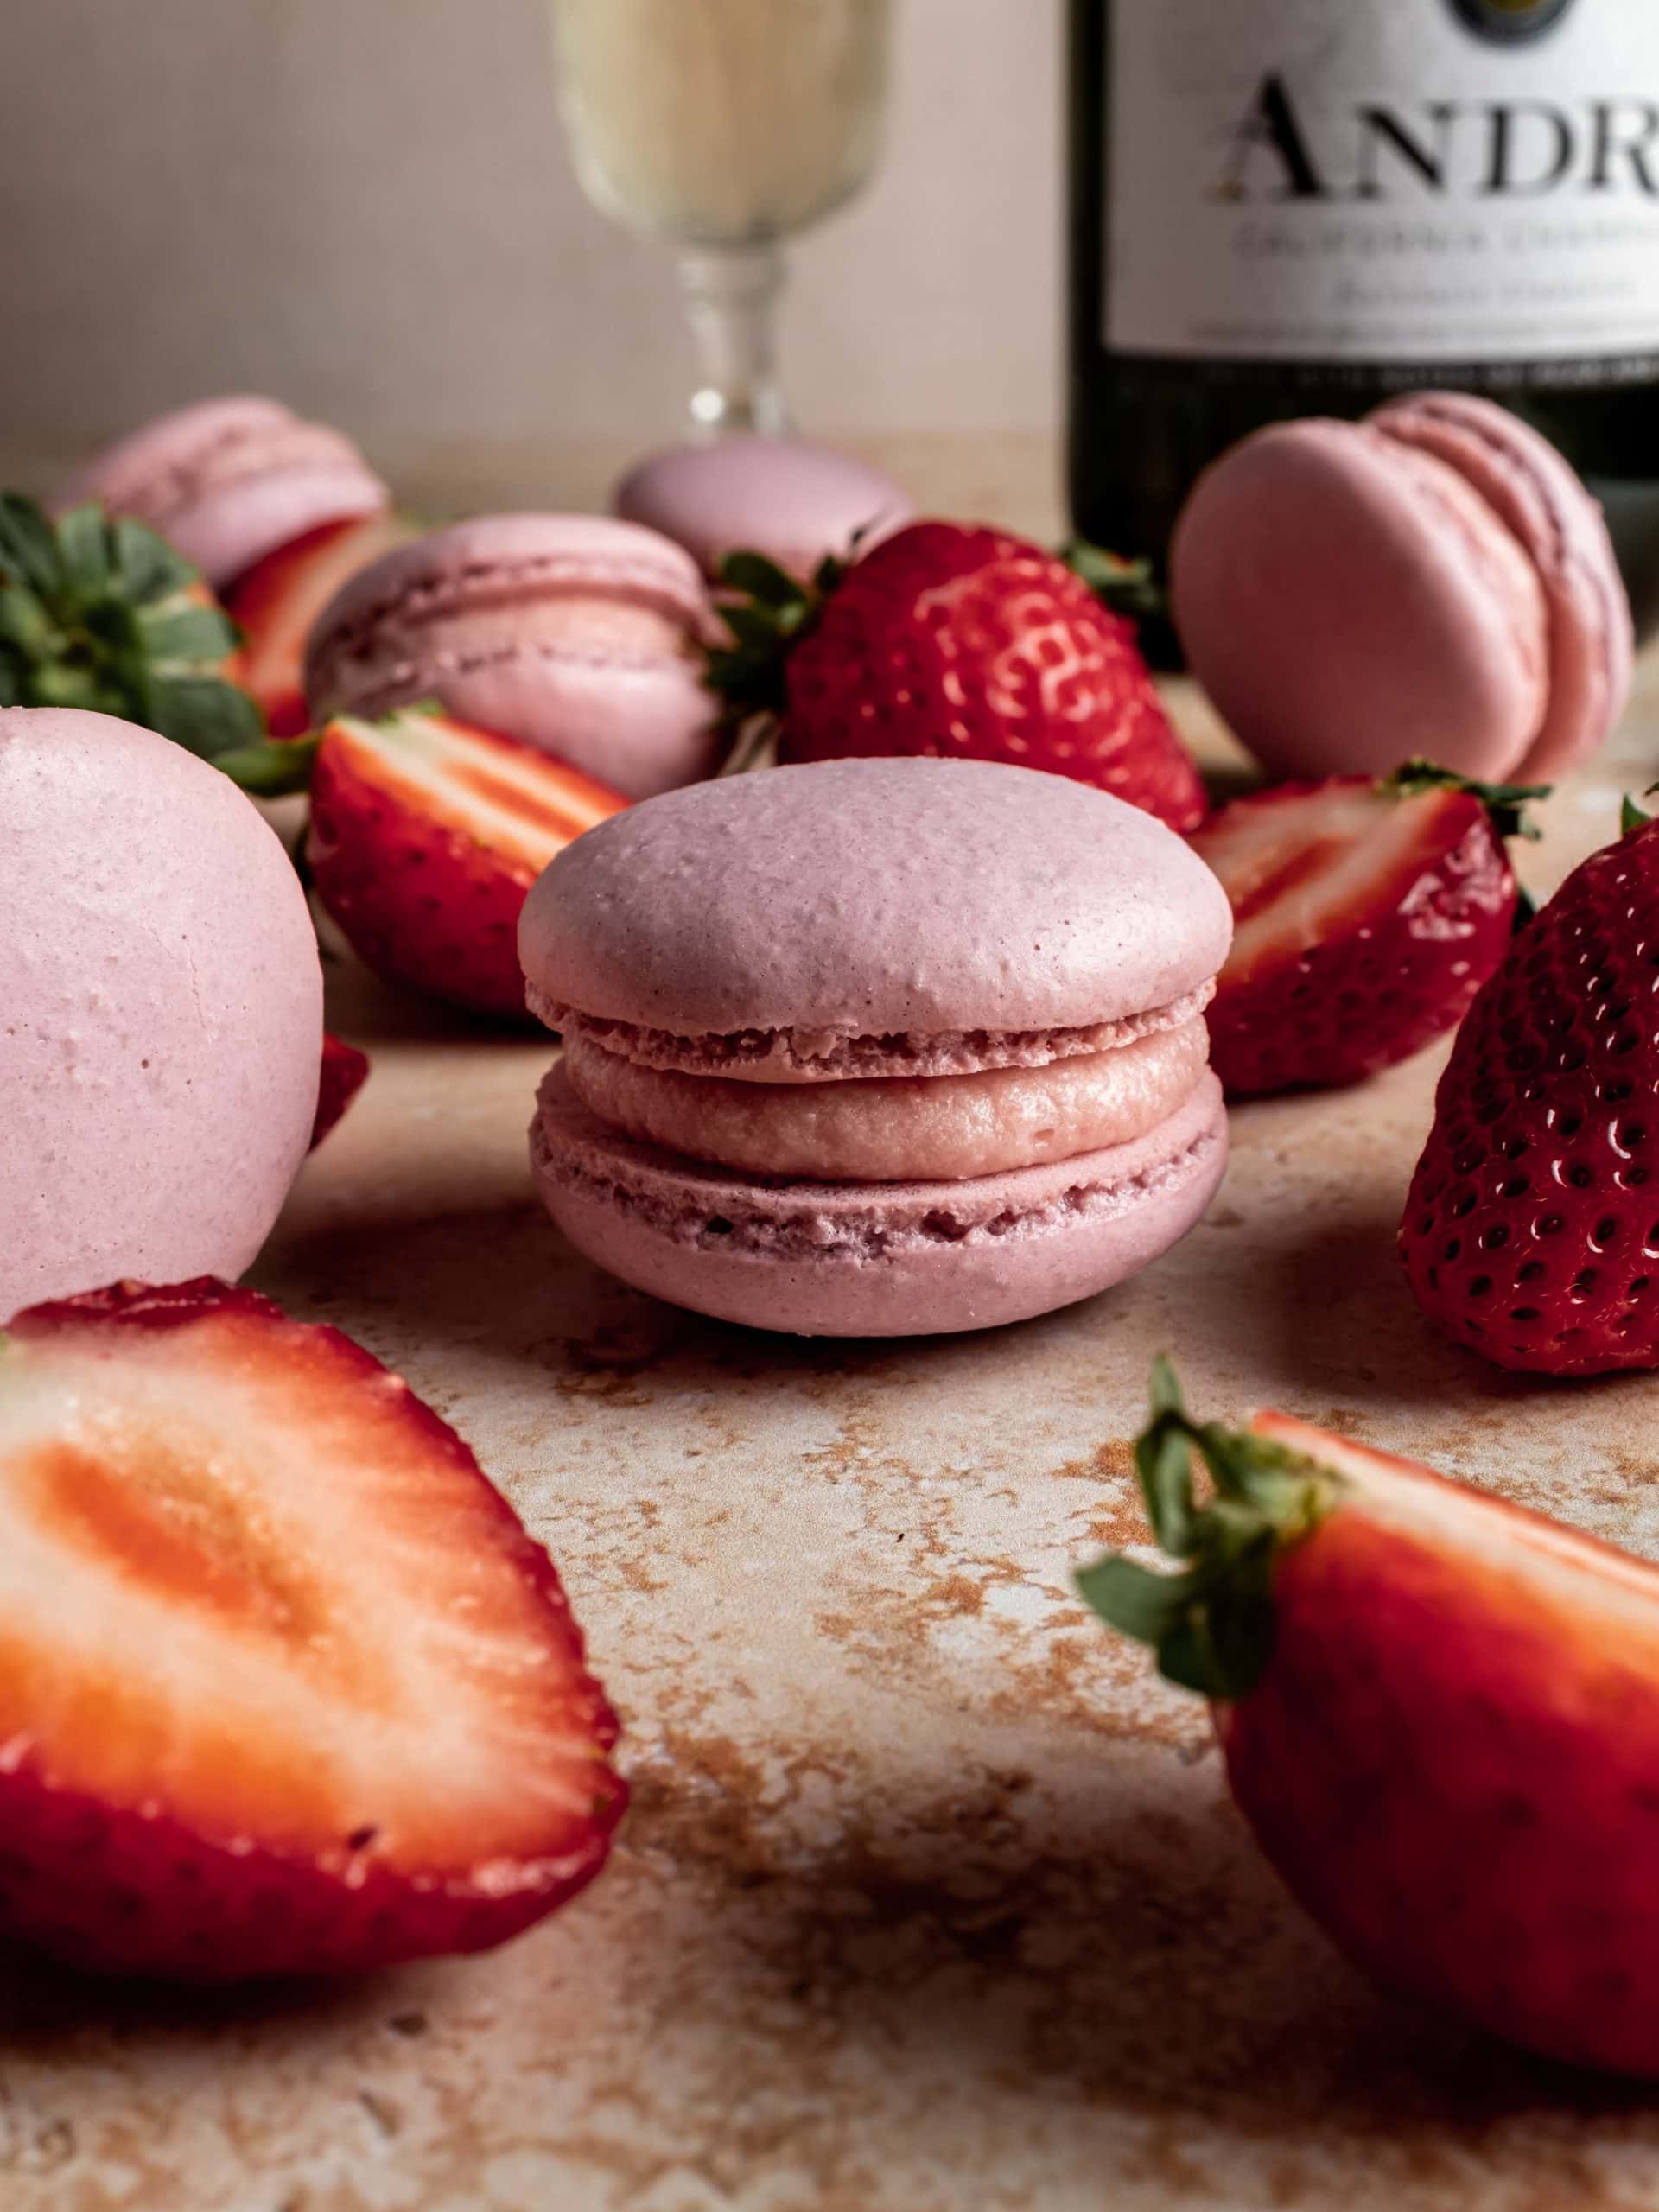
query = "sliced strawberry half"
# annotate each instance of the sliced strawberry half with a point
(274, 603)
(1366, 916)
(345, 1071)
(284, 1685)
(1439, 1714)
(426, 834)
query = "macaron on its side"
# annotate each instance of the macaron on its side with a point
(1541, 500)
(873, 1260)
(228, 481)
(792, 501)
(160, 1052)
(575, 633)
(1349, 602)
(879, 1046)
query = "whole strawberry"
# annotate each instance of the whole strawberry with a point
(1367, 915)
(1531, 1232)
(962, 642)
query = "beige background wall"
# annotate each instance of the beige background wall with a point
(364, 207)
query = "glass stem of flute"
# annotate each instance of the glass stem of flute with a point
(731, 301)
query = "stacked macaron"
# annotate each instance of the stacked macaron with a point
(877, 1047)
(229, 480)
(1433, 581)
(575, 633)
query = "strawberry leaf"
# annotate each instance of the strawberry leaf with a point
(1210, 1624)
(84, 543)
(204, 715)
(276, 768)
(28, 549)
(761, 580)
(178, 631)
(766, 613)
(108, 617)
(146, 565)
(1125, 586)
(1505, 803)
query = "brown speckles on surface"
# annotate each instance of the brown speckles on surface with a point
(931, 1898)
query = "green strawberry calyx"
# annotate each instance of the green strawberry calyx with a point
(1126, 587)
(1211, 1618)
(766, 613)
(100, 613)
(1506, 804)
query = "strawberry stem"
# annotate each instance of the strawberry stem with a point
(1211, 1622)
(1505, 803)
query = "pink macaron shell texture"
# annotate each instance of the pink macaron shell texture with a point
(873, 899)
(230, 480)
(1541, 498)
(1349, 602)
(792, 501)
(575, 633)
(873, 1260)
(161, 1039)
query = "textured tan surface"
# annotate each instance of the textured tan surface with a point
(929, 1898)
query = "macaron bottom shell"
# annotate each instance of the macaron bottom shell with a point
(873, 1260)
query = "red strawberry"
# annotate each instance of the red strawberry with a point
(1531, 1231)
(284, 1685)
(1439, 1714)
(274, 603)
(345, 1071)
(426, 834)
(959, 641)
(1367, 916)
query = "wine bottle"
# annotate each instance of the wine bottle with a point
(1285, 207)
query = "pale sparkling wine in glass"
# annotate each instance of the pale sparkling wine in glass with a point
(723, 125)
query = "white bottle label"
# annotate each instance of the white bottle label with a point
(1451, 180)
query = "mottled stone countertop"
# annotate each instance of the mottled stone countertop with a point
(931, 1899)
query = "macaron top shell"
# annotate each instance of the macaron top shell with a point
(792, 501)
(1539, 498)
(492, 560)
(229, 480)
(1349, 601)
(160, 1050)
(871, 897)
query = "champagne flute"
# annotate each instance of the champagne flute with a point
(724, 126)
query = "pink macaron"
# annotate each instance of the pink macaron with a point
(1434, 580)
(877, 1047)
(574, 633)
(160, 1047)
(229, 480)
(792, 501)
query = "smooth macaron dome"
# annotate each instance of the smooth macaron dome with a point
(793, 501)
(229, 480)
(162, 1024)
(577, 633)
(878, 1046)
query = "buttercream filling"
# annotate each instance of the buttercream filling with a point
(831, 1054)
(898, 1130)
